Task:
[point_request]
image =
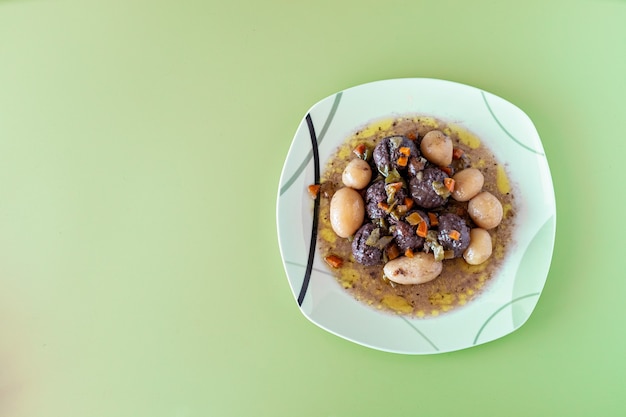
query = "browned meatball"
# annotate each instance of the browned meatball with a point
(377, 194)
(406, 236)
(374, 195)
(387, 153)
(364, 253)
(453, 233)
(423, 191)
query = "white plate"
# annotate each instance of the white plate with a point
(511, 297)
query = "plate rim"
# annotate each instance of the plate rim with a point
(550, 221)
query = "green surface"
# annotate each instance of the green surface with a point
(140, 142)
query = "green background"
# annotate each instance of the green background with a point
(141, 144)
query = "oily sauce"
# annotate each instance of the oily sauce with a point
(459, 282)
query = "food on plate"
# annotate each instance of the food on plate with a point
(480, 247)
(416, 215)
(346, 211)
(486, 210)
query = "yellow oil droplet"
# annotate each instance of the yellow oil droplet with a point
(348, 277)
(344, 152)
(498, 252)
(328, 235)
(397, 303)
(420, 314)
(372, 129)
(506, 209)
(427, 121)
(434, 313)
(502, 180)
(479, 164)
(464, 136)
(473, 269)
(441, 298)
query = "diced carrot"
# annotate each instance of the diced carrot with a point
(403, 161)
(408, 202)
(405, 150)
(409, 253)
(314, 190)
(449, 183)
(411, 135)
(434, 221)
(334, 261)
(360, 150)
(422, 229)
(447, 170)
(457, 153)
(454, 235)
(384, 206)
(393, 251)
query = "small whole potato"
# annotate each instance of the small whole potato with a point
(486, 210)
(467, 183)
(480, 247)
(347, 211)
(437, 148)
(357, 174)
(421, 268)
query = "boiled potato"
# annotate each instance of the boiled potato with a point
(480, 247)
(420, 268)
(467, 183)
(437, 148)
(357, 174)
(486, 210)
(347, 211)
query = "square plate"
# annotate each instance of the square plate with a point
(506, 130)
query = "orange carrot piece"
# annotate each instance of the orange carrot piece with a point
(409, 253)
(384, 206)
(422, 229)
(393, 251)
(411, 135)
(457, 153)
(359, 150)
(447, 170)
(408, 202)
(449, 183)
(314, 190)
(334, 261)
(434, 221)
(454, 235)
(403, 159)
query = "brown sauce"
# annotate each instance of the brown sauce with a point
(459, 283)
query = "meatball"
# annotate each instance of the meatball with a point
(405, 234)
(364, 253)
(374, 195)
(423, 191)
(453, 233)
(387, 153)
(416, 164)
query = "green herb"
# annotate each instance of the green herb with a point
(396, 141)
(373, 238)
(441, 190)
(393, 176)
